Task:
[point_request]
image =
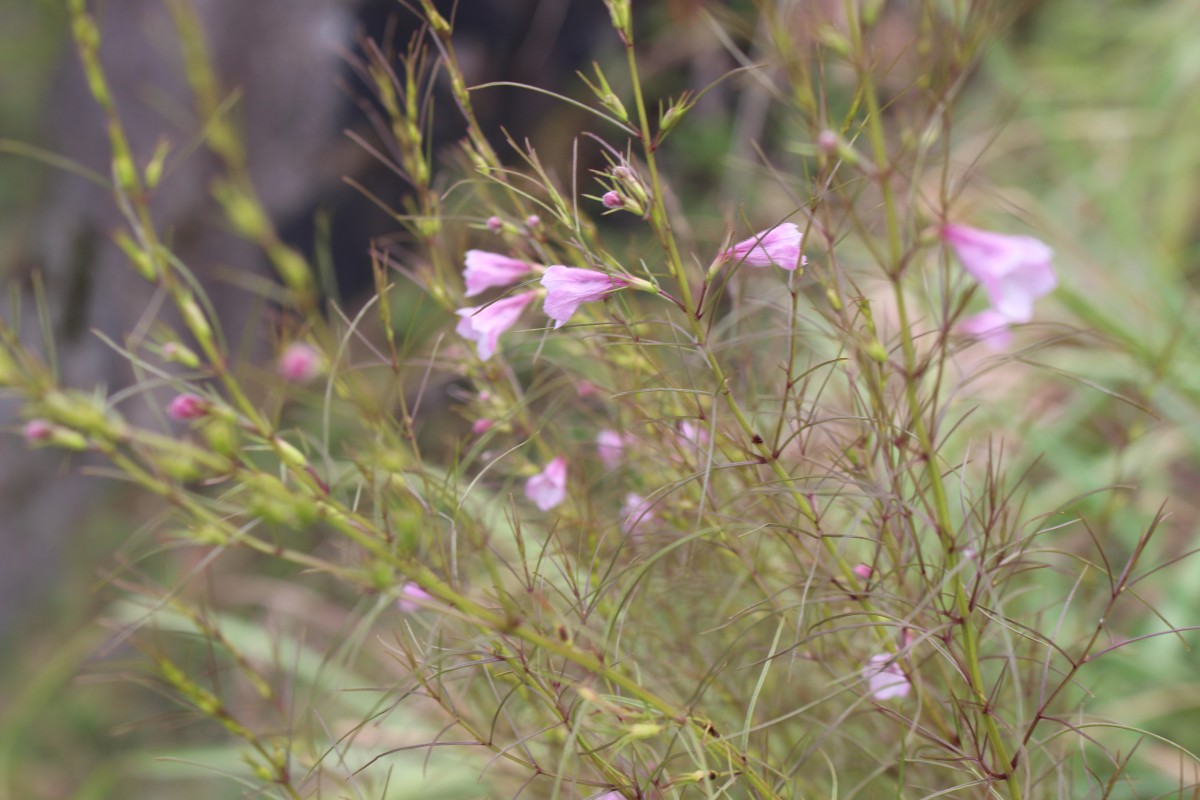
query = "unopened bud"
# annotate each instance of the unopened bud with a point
(494, 224)
(178, 354)
(645, 730)
(188, 407)
(612, 200)
(299, 363)
(38, 430)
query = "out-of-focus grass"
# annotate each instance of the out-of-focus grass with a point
(1098, 153)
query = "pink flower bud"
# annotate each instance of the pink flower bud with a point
(862, 571)
(549, 487)
(481, 426)
(187, 406)
(827, 141)
(38, 430)
(533, 220)
(612, 200)
(494, 224)
(411, 598)
(299, 363)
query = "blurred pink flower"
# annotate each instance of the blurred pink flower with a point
(636, 512)
(989, 327)
(486, 270)
(885, 680)
(38, 430)
(484, 324)
(549, 487)
(610, 446)
(533, 220)
(1014, 270)
(481, 425)
(779, 245)
(494, 223)
(411, 597)
(299, 363)
(693, 434)
(612, 200)
(862, 571)
(187, 406)
(569, 287)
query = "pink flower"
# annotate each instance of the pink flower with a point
(569, 287)
(38, 430)
(692, 434)
(481, 426)
(485, 270)
(779, 245)
(884, 678)
(484, 324)
(862, 571)
(612, 200)
(990, 327)
(494, 223)
(299, 363)
(411, 598)
(1014, 270)
(636, 512)
(187, 406)
(549, 487)
(533, 220)
(610, 446)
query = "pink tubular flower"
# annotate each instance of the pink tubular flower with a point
(486, 270)
(569, 287)
(411, 597)
(484, 324)
(299, 363)
(610, 446)
(187, 406)
(885, 680)
(1014, 270)
(612, 200)
(779, 245)
(549, 487)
